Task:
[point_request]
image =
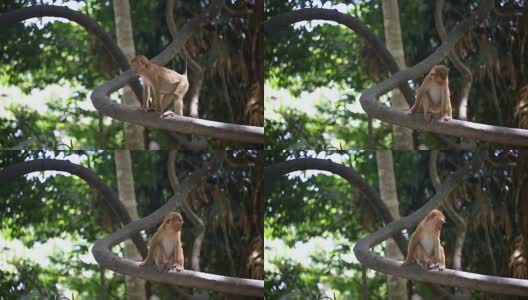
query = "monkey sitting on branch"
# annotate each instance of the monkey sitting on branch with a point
(424, 246)
(165, 247)
(433, 98)
(167, 86)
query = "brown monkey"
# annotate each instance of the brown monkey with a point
(165, 249)
(424, 246)
(433, 96)
(167, 85)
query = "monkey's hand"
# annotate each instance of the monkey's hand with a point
(446, 117)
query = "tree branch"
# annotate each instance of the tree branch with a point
(493, 134)
(36, 11)
(276, 170)
(448, 277)
(94, 181)
(455, 59)
(224, 131)
(357, 181)
(196, 86)
(186, 278)
(198, 223)
(283, 20)
(461, 226)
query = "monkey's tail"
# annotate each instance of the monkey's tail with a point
(185, 73)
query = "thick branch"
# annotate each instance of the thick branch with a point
(448, 277)
(198, 73)
(493, 134)
(453, 56)
(224, 131)
(347, 173)
(198, 223)
(283, 20)
(111, 198)
(461, 226)
(36, 11)
(186, 278)
(356, 180)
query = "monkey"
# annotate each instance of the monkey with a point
(165, 248)
(433, 96)
(167, 86)
(424, 246)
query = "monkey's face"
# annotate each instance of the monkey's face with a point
(437, 218)
(139, 65)
(174, 220)
(440, 72)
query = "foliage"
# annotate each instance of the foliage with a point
(37, 54)
(304, 206)
(308, 56)
(39, 207)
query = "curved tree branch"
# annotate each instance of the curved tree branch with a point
(198, 142)
(301, 164)
(198, 223)
(94, 181)
(36, 11)
(186, 278)
(493, 134)
(357, 181)
(224, 131)
(461, 226)
(448, 277)
(461, 67)
(198, 77)
(283, 20)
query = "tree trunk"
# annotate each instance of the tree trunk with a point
(402, 138)
(397, 286)
(134, 134)
(135, 287)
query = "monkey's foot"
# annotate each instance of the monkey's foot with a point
(179, 268)
(168, 114)
(446, 117)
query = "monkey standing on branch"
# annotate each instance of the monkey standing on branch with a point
(167, 85)
(165, 248)
(424, 246)
(433, 96)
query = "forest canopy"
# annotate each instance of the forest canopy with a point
(316, 72)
